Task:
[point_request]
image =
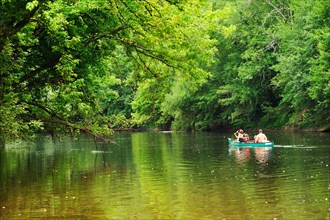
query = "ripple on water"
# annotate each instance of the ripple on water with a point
(294, 146)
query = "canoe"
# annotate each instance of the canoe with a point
(249, 144)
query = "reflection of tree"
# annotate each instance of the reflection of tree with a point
(60, 175)
(161, 176)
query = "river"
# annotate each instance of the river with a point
(166, 175)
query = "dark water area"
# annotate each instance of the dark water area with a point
(165, 175)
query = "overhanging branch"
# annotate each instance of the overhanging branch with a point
(82, 129)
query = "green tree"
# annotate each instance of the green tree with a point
(239, 87)
(66, 65)
(190, 47)
(303, 62)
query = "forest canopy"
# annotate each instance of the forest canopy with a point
(100, 65)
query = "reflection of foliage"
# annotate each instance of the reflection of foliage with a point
(163, 175)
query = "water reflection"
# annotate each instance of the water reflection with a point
(244, 154)
(262, 154)
(163, 176)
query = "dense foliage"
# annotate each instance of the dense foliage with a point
(96, 65)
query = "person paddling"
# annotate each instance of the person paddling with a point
(239, 135)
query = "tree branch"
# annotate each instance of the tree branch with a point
(82, 129)
(38, 70)
(278, 10)
(146, 52)
(60, 121)
(113, 32)
(26, 19)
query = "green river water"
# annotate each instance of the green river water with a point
(167, 175)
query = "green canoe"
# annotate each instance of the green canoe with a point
(249, 144)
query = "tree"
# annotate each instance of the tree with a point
(239, 88)
(58, 59)
(304, 66)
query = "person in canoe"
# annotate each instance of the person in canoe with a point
(260, 138)
(246, 137)
(240, 136)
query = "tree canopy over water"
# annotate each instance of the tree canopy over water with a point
(98, 65)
